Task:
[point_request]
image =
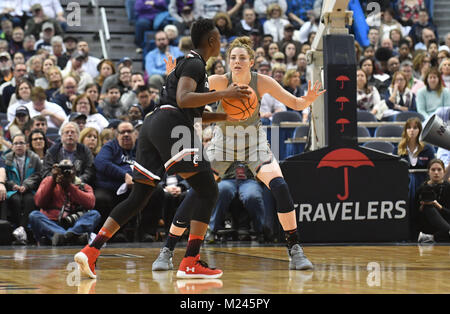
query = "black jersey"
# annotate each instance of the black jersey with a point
(193, 66)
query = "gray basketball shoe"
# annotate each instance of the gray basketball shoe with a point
(298, 260)
(164, 260)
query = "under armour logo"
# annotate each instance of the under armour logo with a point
(192, 269)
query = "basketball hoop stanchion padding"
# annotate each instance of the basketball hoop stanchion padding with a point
(344, 192)
(340, 83)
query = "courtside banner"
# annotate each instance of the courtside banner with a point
(349, 194)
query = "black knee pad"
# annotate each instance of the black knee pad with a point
(280, 192)
(207, 192)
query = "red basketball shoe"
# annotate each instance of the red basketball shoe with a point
(193, 267)
(86, 260)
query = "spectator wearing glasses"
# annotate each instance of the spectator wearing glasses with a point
(69, 148)
(38, 143)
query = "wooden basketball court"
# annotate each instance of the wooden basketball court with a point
(256, 269)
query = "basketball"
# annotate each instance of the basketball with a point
(241, 109)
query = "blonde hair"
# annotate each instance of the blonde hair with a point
(85, 133)
(242, 42)
(289, 74)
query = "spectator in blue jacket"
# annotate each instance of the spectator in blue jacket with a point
(23, 176)
(154, 60)
(146, 12)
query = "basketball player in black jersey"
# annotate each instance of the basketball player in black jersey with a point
(160, 149)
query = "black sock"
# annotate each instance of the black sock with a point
(193, 247)
(172, 241)
(291, 237)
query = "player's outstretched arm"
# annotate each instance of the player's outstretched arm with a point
(267, 84)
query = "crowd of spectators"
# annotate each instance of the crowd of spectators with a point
(70, 120)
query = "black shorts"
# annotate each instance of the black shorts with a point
(168, 143)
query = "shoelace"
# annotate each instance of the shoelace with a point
(204, 264)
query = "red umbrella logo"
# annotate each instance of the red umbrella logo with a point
(342, 79)
(342, 122)
(342, 100)
(345, 157)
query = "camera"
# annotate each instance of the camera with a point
(66, 170)
(71, 219)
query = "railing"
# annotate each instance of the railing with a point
(103, 33)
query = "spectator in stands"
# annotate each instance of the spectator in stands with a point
(395, 36)
(84, 105)
(66, 94)
(433, 95)
(66, 214)
(248, 23)
(421, 64)
(415, 152)
(444, 68)
(47, 64)
(215, 66)
(21, 97)
(182, 13)
(55, 81)
(404, 52)
(89, 63)
(145, 100)
(399, 98)
(146, 12)
(290, 52)
(48, 31)
(54, 114)
(443, 53)
(105, 68)
(51, 9)
(75, 68)
(5, 67)
(374, 37)
(154, 60)
(367, 96)
(269, 105)
(423, 22)
(288, 37)
(388, 23)
(135, 113)
(261, 6)
(17, 125)
(34, 25)
(58, 51)
(291, 82)
(8, 89)
(23, 175)
(408, 11)
(70, 43)
(309, 26)
(111, 105)
(238, 182)
(16, 42)
(18, 57)
(433, 205)
(393, 65)
(414, 84)
(278, 72)
(223, 23)
(274, 25)
(38, 143)
(10, 9)
(427, 35)
(28, 46)
(433, 50)
(79, 119)
(92, 90)
(122, 78)
(69, 148)
(130, 97)
(90, 137)
(272, 49)
(368, 66)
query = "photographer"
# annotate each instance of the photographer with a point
(66, 215)
(433, 205)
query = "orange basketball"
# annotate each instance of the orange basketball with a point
(241, 109)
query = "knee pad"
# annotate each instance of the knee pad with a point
(280, 192)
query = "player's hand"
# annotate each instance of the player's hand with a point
(237, 91)
(312, 93)
(171, 63)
